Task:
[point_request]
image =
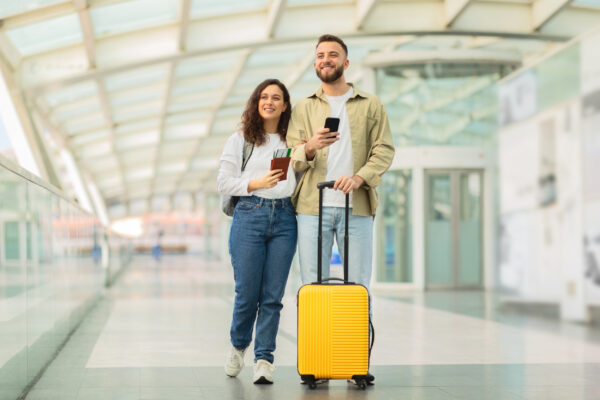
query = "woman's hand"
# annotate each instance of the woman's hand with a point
(268, 181)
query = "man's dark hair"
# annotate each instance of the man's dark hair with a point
(333, 38)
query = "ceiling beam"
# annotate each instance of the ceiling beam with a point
(184, 18)
(300, 69)
(275, 12)
(163, 119)
(113, 137)
(37, 15)
(100, 73)
(235, 74)
(454, 9)
(544, 10)
(60, 141)
(184, 24)
(364, 8)
(480, 56)
(88, 32)
(394, 44)
(9, 53)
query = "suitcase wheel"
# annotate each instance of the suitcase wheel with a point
(309, 380)
(362, 381)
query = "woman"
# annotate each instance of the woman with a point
(263, 233)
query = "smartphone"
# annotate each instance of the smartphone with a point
(332, 123)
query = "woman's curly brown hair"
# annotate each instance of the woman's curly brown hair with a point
(252, 123)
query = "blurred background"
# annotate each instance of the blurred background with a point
(113, 115)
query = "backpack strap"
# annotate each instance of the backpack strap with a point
(246, 153)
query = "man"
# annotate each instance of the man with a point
(355, 157)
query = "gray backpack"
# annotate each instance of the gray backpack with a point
(228, 202)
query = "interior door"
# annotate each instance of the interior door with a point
(453, 228)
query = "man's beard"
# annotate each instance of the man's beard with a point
(337, 73)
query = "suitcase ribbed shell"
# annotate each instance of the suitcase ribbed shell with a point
(333, 331)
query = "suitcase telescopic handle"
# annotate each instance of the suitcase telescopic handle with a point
(321, 186)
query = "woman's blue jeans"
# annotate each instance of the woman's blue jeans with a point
(262, 243)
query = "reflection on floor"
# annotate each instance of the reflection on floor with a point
(162, 333)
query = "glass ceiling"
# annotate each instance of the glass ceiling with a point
(132, 15)
(587, 3)
(211, 8)
(165, 86)
(13, 7)
(46, 35)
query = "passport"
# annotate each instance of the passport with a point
(282, 163)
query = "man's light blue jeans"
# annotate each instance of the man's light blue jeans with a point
(360, 239)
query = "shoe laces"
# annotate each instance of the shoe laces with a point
(264, 364)
(236, 356)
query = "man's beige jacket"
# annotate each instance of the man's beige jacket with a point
(372, 149)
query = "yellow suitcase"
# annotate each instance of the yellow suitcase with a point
(333, 323)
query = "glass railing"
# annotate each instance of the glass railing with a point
(52, 270)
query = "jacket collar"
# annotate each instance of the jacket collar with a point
(319, 93)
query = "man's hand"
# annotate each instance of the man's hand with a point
(346, 184)
(321, 139)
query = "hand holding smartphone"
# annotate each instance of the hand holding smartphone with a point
(322, 139)
(333, 124)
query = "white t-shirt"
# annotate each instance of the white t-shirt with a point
(234, 182)
(339, 158)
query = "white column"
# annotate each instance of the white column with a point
(489, 228)
(99, 206)
(80, 189)
(418, 217)
(15, 131)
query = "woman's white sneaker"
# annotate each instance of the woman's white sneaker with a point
(235, 361)
(263, 372)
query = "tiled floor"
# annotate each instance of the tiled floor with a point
(162, 333)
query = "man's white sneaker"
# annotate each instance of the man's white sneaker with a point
(263, 372)
(235, 361)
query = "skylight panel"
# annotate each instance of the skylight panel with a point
(211, 8)
(78, 109)
(80, 140)
(137, 140)
(46, 35)
(71, 94)
(131, 15)
(199, 86)
(587, 3)
(13, 7)
(137, 77)
(85, 123)
(179, 106)
(292, 3)
(142, 94)
(137, 112)
(268, 58)
(137, 126)
(200, 66)
(138, 174)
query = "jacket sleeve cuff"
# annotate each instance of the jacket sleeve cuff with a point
(299, 160)
(371, 178)
(244, 188)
